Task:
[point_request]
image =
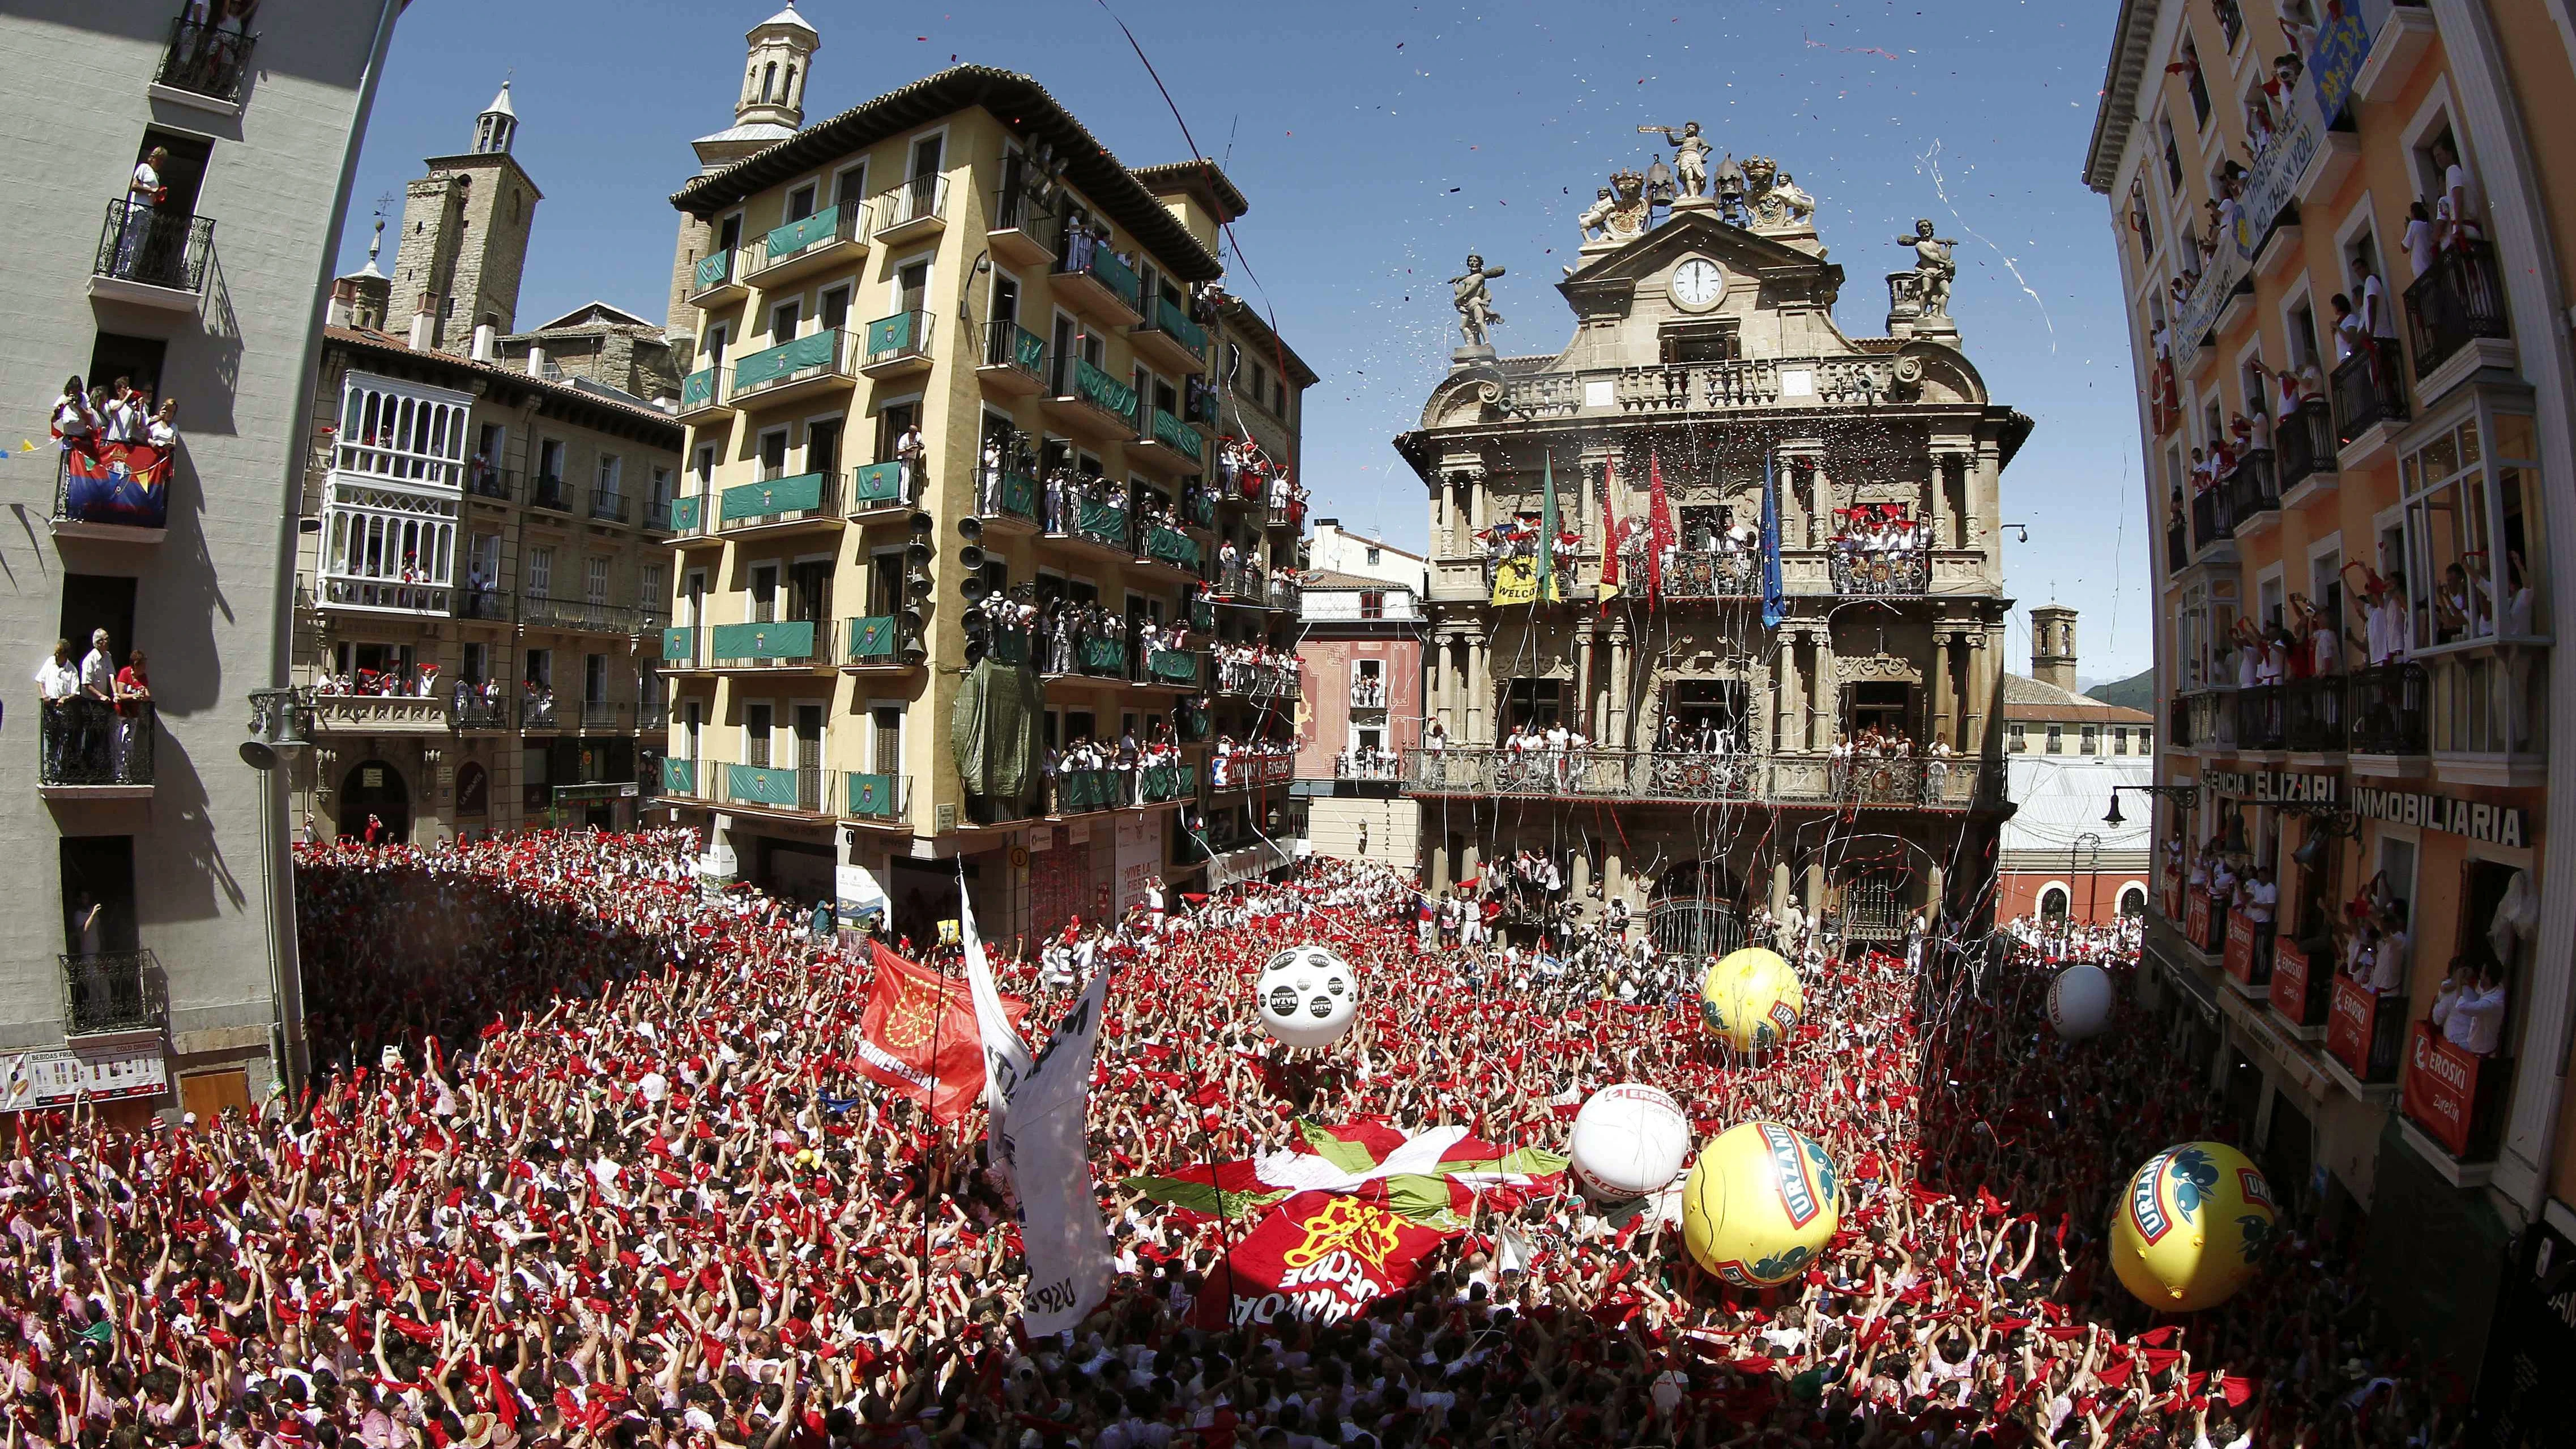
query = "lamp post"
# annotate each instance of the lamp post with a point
(2093, 886)
(281, 728)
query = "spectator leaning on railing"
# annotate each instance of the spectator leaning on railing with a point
(58, 687)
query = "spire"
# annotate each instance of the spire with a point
(773, 83)
(497, 126)
(375, 244)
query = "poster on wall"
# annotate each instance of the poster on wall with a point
(858, 899)
(1140, 857)
(1059, 887)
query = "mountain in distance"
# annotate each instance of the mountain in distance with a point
(2138, 691)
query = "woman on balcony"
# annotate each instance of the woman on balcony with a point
(133, 717)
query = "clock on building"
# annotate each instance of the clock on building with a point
(1697, 285)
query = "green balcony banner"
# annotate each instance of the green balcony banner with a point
(1103, 391)
(1020, 496)
(1106, 521)
(753, 785)
(1174, 665)
(678, 643)
(1178, 436)
(796, 236)
(777, 639)
(1109, 654)
(877, 483)
(1116, 275)
(873, 795)
(820, 349)
(890, 335)
(698, 389)
(1170, 318)
(802, 493)
(685, 513)
(993, 730)
(679, 777)
(1028, 350)
(1171, 546)
(873, 637)
(711, 270)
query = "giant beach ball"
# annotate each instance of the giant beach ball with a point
(1308, 996)
(2191, 1227)
(1759, 1204)
(1750, 998)
(2079, 1001)
(1629, 1140)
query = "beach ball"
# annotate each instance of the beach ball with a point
(2079, 1001)
(1629, 1141)
(1751, 998)
(1308, 996)
(2191, 1227)
(1759, 1204)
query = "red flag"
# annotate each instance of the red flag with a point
(918, 1035)
(1319, 1256)
(1609, 538)
(1659, 528)
(2237, 1390)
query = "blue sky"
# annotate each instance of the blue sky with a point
(1379, 143)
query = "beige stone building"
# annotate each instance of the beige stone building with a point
(961, 263)
(157, 969)
(482, 577)
(1829, 735)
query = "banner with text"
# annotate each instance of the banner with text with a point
(1323, 1257)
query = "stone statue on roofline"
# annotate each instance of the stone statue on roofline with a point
(1475, 303)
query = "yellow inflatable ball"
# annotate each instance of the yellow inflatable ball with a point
(1758, 1204)
(2192, 1227)
(1750, 999)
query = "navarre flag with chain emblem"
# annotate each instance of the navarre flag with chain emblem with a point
(918, 1035)
(1319, 1256)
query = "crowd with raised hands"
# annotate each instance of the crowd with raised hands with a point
(590, 1159)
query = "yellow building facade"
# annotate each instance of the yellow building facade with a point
(2343, 234)
(964, 502)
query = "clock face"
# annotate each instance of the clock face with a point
(1698, 284)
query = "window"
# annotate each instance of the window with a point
(98, 896)
(2119, 739)
(885, 738)
(2173, 157)
(541, 573)
(594, 678)
(401, 430)
(1373, 552)
(1532, 702)
(764, 594)
(756, 725)
(782, 323)
(594, 583)
(851, 186)
(2470, 521)
(1372, 603)
(537, 668)
(2193, 82)
(649, 590)
(773, 454)
(703, 468)
(2091, 743)
(550, 460)
(800, 203)
(612, 474)
(2016, 739)
(2142, 741)
(836, 309)
(2057, 739)
(661, 486)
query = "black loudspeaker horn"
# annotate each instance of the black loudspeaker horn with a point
(973, 589)
(913, 619)
(918, 553)
(2310, 851)
(923, 524)
(917, 584)
(971, 559)
(971, 529)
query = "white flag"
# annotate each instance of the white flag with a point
(1036, 1142)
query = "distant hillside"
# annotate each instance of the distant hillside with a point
(2138, 691)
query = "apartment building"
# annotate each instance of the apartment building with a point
(1751, 559)
(1359, 649)
(967, 501)
(162, 972)
(483, 576)
(2066, 754)
(2341, 233)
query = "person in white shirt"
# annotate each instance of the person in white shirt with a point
(98, 698)
(58, 686)
(2470, 1009)
(2418, 240)
(2388, 954)
(143, 192)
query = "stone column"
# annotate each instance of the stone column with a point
(1480, 690)
(1980, 691)
(1787, 706)
(1617, 735)
(1815, 889)
(1582, 713)
(1825, 702)
(1779, 888)
(1945, 702)
(1614, 874)
(1471, 864)
(1579, 879)
(1985, 495)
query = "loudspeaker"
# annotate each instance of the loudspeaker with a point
(974, 589)
(922, 524)
(2312, 850)
(918, 585)
(912, 617)
(918, 554)
(971, 529)
(971, 559)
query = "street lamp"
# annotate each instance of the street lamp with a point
(2093, 887)
(281, 726)
(2183, 794)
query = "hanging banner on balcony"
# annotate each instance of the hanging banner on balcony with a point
(2273, 184)
(2289, 993)
(858, 902)
(62, 1074)
(117, 483)
(2343, 43)
(2351, 1024)
(2441, 1088)
(2475, 819)
(1516, 581)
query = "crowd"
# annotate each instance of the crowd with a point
(1234, 761)
(591, 1163)
(1089, 774)
(1256, 668)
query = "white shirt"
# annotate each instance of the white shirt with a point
(2471, 1020)
(2418, 243)
(2388, 963)
(2262, 897)
(98, 672)
(56, 679)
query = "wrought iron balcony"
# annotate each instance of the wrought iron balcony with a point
(205, 60)
(1014, 356)
(2368, 389)
(105, 992)
(1006, 493)
(897, 344)
(1905, 572)
(815, 363)
(1022, 229)
(1165, 544)
(95, 747)
(1090, 275)
(2251, 491)
(551, 493)
(701, 396)
(771, 644)
(101, 495)
(608, 505)
(809, 244)
(2387, 706)
(2303, 444)
(144, 247)
(800, 498)
(679, 777)
(2314, 710)
(1082, 792)
(1104, 523)
(1700, 575)
(879, 641)
(883, 798)
(541, 611)
(776, 787)
(912, 208)
(1808, 780)
(1179, 667)
(880, 485)
(605, 714)
(2458, 301)
(485, 481)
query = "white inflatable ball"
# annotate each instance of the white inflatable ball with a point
(2079, 1001)
(1308, 996)
(1629, 1140)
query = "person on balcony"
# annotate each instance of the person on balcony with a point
(2470, 1009)
(58, 692)
(76, 424)
(144, 191)
(133, 718)
(2457, 208)
(97, 701)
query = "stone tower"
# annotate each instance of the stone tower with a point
(769, 108)
(2052, 646)
(465, 238)
(362, 298)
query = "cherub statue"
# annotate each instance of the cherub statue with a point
(1793, 197)
(1595, 220)
(1475, 303)
(1933, 268)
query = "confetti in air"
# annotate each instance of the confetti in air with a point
(1931, 161)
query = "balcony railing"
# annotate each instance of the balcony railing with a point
(2368, 390)
(1256, 680)
(773, 369)
(604, 714)
(875, 639)
(1171, 666)
(2386, 703)
(1008, 344)
(540, 711)
(776, 643)
(475, 712)
(1015, 209)
(1106, 524)
(875, 796)
(715, 269)
(92, 742)
(102, 488)
(1244, 770)
(485, 481)
(2209, 520)
(698, 390)
(831, 225)
(1167, 545)
(1167, 318)
(1105, 394)
(1006, 493)
(2251, 490)
(922, 199)
(880, 485)
(905, 336)
(679, 777)
(1383, 765)
(544, 612)
(2460, 300)
(205, 60)
(110, 991)
(2177, 549)
(686, 647)
(1161, 784)
(1695, 778)
(2314, 711)
(657, 515)
(780, 500)
(2262, 721)
(608, 505)
(779, 787)
(2366, 1031)
(1080, 792)
(1178, 436)
(1789, 382)
(1903, 571)
(1368, 692)
(2212, 717)
(1244, 582)
(1286, 593)
(1087, 257)
(544, 492)
(156, 248)
(1701, 575)
(2303, 444)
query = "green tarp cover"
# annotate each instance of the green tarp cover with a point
(994, 731)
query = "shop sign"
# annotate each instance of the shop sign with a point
(2441, 1088)
(2239, 958)
(2289, 994)
(2450, 814)
(66, 1074)
(2271, 786)
(2351, 1025)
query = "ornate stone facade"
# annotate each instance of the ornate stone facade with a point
(1706, 389)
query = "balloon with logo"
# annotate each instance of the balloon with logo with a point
(1759, 1203)
(1307, 996)
(2079, 1001)
(1750, 999)
(1629, 1140)
(2191, 1227)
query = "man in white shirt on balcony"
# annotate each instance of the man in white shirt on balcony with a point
(2388, 954)
(2471, 1015)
